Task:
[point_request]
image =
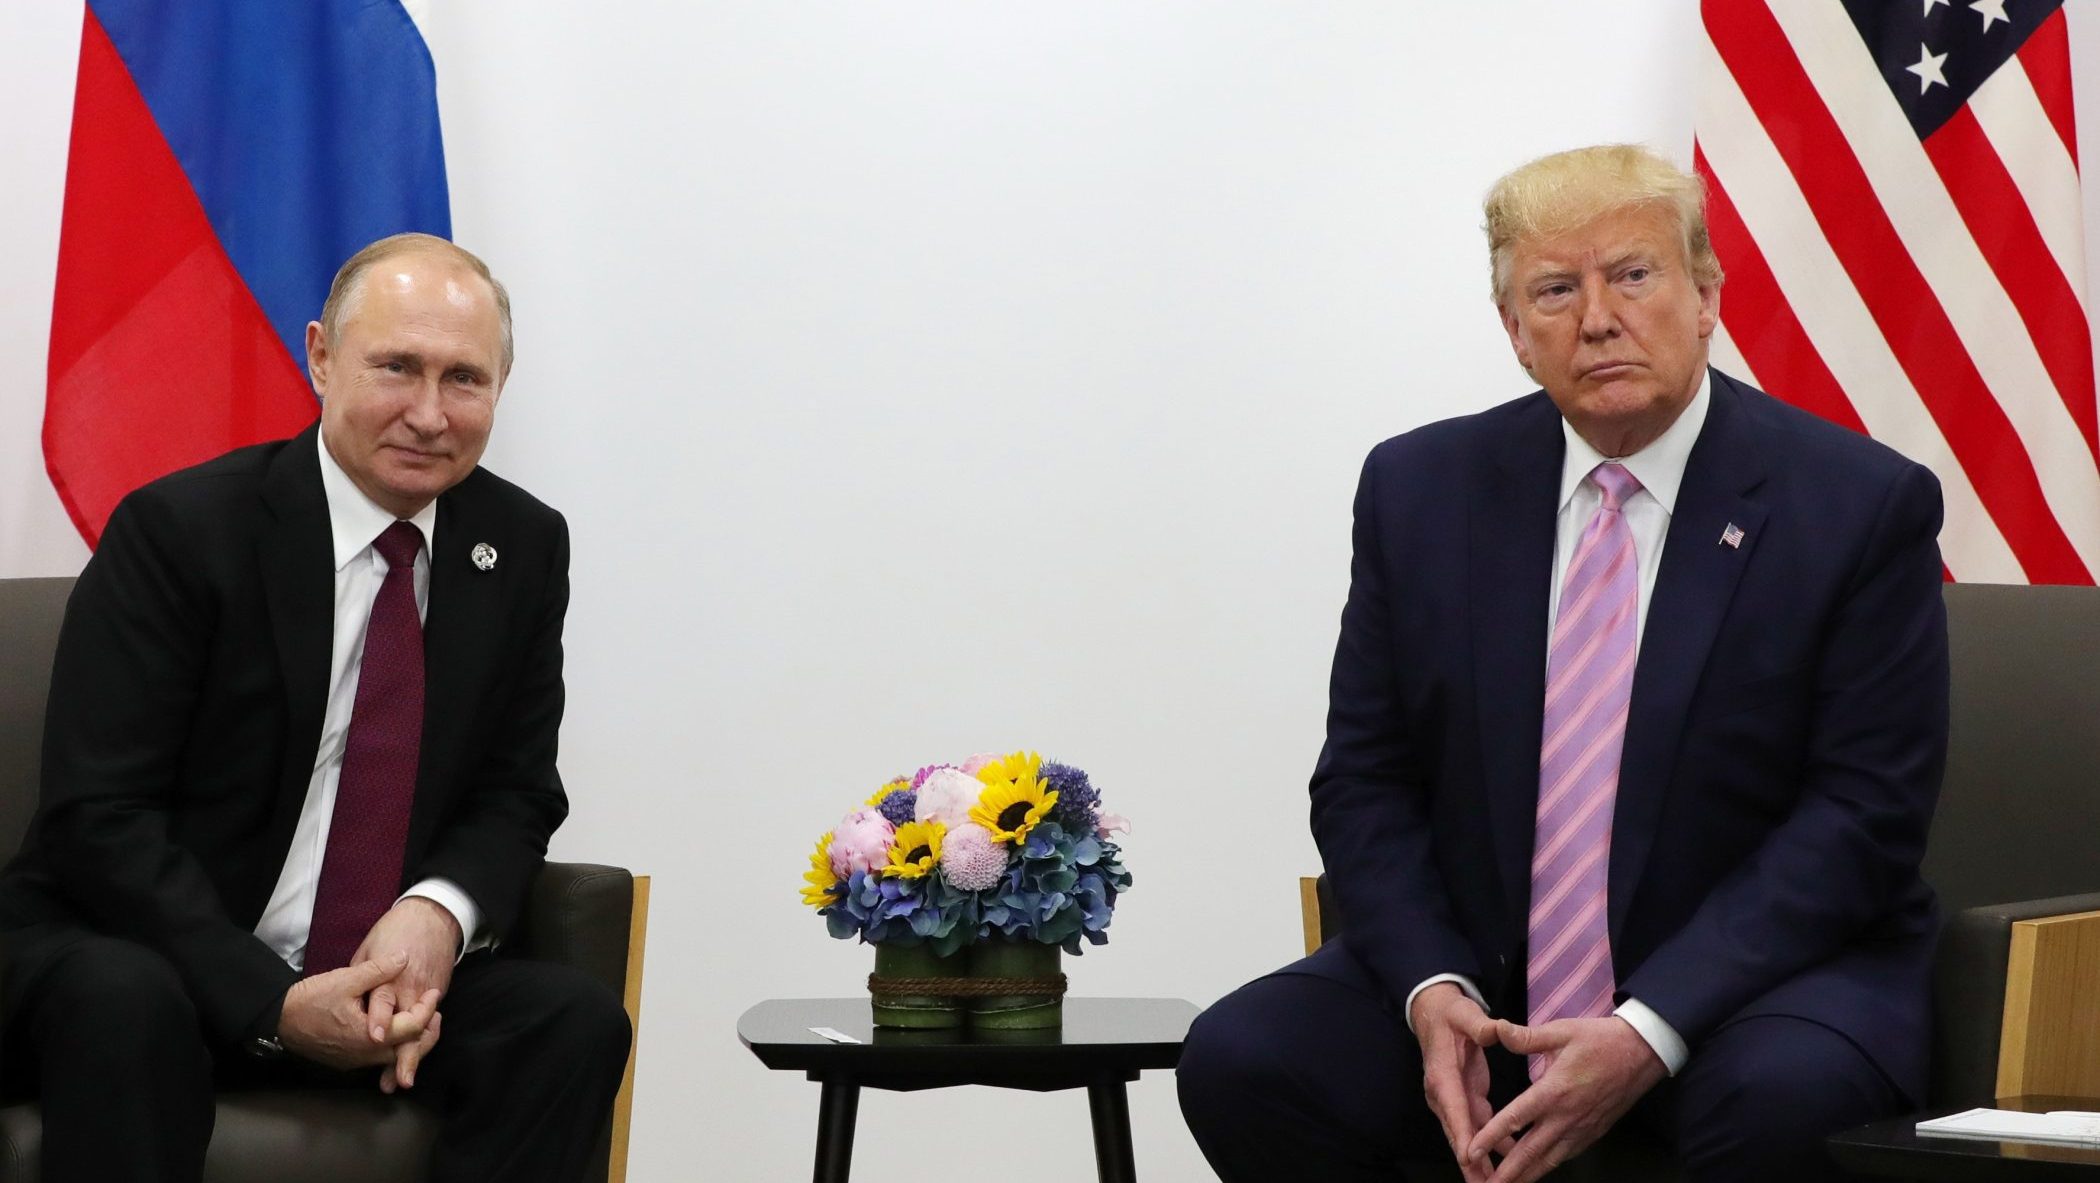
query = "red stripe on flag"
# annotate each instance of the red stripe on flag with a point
(136, 389)
(1911, 320)
(2004, 229)
(2046, 56)
(1761, 321)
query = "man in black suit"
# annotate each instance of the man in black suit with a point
(1636, 726)
(299, 772)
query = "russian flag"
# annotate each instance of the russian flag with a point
(227, 156)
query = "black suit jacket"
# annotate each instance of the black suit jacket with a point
(186, 704)
(1782, 755)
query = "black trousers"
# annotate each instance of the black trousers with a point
(101, 1032)
(1311, 1073)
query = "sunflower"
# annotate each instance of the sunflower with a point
(823, 882)
(893, 786)
(1011, 808)
(1018, 768)
(917, 849)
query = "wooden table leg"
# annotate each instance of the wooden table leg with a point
(835, 1129)
(1111, 1109)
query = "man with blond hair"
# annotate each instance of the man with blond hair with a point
(298, 773)
(1636, 724)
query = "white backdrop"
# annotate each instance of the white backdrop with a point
(920, 378)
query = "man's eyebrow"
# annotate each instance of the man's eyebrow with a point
(405, 356)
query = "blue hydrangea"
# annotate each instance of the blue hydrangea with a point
(1061, 891)
(882, 909)
(1078, 805)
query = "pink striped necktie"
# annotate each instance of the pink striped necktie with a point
(368, 833)
(1589, 680)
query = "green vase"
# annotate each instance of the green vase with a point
(1029, 960)
(920, 1011)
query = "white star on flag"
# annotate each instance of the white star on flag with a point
(1928, 68)
(1930, 3)
(1991, 10)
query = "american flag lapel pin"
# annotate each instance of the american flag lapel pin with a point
(1732, 537)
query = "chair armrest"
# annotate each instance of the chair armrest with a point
(1320, 915)
(579, 914)
(1969, 993)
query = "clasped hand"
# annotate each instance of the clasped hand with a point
(381, 1008)
(1595, 1069)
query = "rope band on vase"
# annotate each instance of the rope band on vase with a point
(883, 988)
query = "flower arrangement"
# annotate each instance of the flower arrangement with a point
(1010, 846)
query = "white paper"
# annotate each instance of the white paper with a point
(2061, 1125)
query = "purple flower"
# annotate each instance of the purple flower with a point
(1078, 803)
(897, 807)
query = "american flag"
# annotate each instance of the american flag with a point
(1894, 196)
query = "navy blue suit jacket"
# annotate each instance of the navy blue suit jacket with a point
(1783, 752)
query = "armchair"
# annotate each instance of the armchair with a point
(591, 917)
(2016, 821)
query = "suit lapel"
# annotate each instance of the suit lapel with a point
(458, 631)
(1510, 564)
(296, 555)
(1693, 588)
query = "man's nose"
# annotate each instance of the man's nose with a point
(426, 411)
(1600, 318)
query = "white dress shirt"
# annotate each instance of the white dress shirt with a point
(1659, 468)
(355, 520)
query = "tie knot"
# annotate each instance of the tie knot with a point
(398, 544)
(1617, 483)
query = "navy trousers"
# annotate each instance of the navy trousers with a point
(1311, 1073)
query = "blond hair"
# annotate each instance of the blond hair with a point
(1567, 190)
(348, 286)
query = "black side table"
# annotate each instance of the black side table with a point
(1104, 1044)
(1895, 1149)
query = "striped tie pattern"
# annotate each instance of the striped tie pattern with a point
(1589, 681)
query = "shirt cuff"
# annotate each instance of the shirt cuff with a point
(454, 899)
(1669, 1046)
(1460, 980)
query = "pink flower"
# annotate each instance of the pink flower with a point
(978, 761)
(861, 842)
(927, 771)
(946, 796)
(1112, 823)
(971, 859)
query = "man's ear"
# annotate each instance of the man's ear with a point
(317, 357)
(1709, 308)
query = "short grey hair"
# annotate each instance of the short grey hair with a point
(347, 287)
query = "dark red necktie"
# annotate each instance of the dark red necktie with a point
(368, 838)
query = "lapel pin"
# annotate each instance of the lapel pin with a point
(485, 555)
(1732, 538)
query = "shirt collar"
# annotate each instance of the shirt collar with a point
(1659, 467)
(355, 519)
